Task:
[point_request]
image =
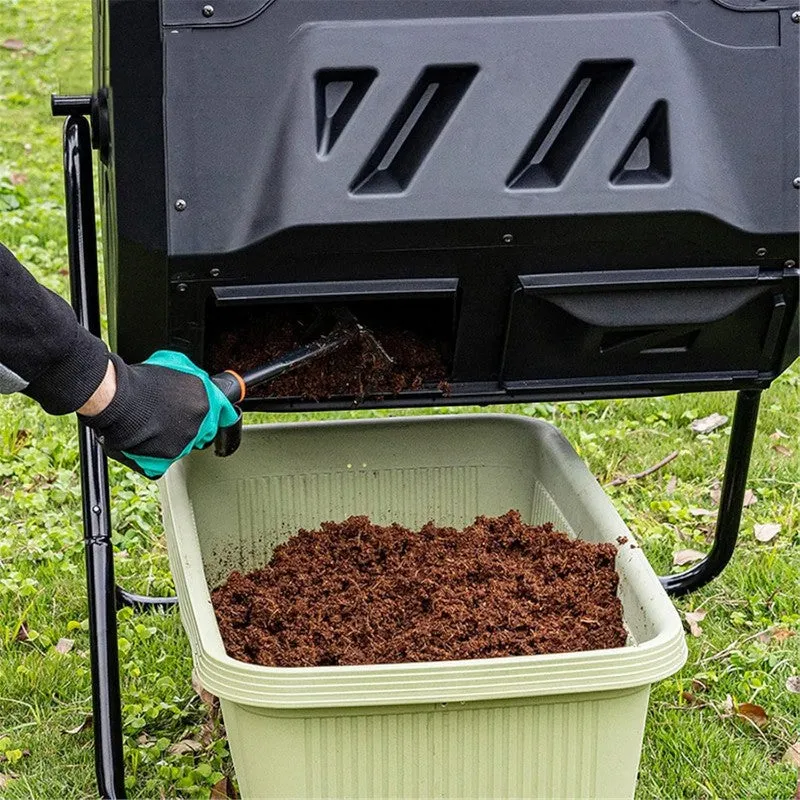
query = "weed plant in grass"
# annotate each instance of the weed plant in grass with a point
(695, 744)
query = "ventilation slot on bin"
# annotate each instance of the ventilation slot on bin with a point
(414, 130)
(646, 160)
(339, 93)
(566, 129)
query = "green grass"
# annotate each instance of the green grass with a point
(690, 751)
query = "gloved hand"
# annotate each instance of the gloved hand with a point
(162, 409)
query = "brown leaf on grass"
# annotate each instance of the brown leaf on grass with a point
(672, 485)
(22, 632)
(223, 789)
(780, 635)
(692, 700)
(683, 557)
(793, 684)
(693, 620)
(752, 713)
(709, 423)
(84, 726)
(13, 44)
(782, 451)
(17, 179)
(698, 685)
(792, 754)
(777, 435)
(63, 646)
(205, 696)
(185, 746)
(767, 532)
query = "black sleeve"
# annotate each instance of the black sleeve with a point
(44, 352)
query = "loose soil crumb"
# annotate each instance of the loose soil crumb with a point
(358, 593)
(353, 370)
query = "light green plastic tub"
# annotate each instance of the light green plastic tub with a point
(551, 726)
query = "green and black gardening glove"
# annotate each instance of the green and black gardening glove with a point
(162, 410)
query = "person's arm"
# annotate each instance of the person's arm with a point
(145, 415)
(44, 352)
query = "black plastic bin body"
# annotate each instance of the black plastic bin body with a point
(598, 196)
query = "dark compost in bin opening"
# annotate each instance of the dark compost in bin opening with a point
(418, 337)
(358, 593)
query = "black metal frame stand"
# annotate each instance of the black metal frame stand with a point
(103, 594)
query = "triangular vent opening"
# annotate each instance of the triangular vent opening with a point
(646, 159)
(339, 93)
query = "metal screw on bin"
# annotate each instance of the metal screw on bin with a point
(795, 16)
(796, 183)
(208, 11)
(180, 204)
(508, 238)
(214, 273)
(761, 252)
(181, 287)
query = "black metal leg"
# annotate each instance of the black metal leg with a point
(731, 500)
(107, 717)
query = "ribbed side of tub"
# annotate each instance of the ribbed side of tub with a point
(558, 748)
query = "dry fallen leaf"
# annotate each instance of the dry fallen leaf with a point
(84, 726)
(185, 746)
(672, 485)
(767, 532)
(702, 512)
(780, 635)
(208, 699)
(698, 685)
(778, 434)
(783, 451)
(792, 754)
(63, 646)
(17, 179)
(752, 713)
(793, 684)
(22, 632)
(223, 790)
(692, 700)
(13, 44)
(683, 557)
(709, 423)
(693, 620)
(727, 705)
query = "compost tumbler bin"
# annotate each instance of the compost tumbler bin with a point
(593, 199)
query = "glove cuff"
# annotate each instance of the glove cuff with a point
(128, 413)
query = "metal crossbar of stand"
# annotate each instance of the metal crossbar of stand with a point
(105, 596)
